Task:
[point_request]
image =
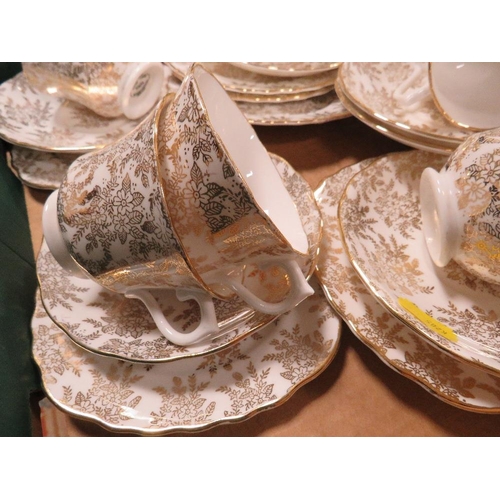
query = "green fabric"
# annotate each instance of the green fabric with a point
(19, 375)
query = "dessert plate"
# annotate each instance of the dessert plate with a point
(407, 138)
(258, 373)
(380, 223)
(451, 380)
(371, 87)
(235, 79)
(287, 69)
(108, 323)
(318, 109)
(41, 121)
(39, 169)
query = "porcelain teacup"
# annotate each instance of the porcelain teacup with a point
(460, 207)
(108, 221)
(228, 205)
(109, 89)
(466, 94)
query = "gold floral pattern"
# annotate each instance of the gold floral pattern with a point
(456, 382)
(371, 87)
(48, 123)
(395, 265)
(474, 168)
(190, 394)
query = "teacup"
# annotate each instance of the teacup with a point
(108, 221)
(466, 94)
(109, 89)
(228, 205)
(460, 207)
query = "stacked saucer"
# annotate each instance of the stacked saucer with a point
(103, 355)
(47, 132)
(278, 93)
(438, 327)
(368, 91)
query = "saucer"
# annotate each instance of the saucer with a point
(451, 380)
(39, 169)
(287, 69)
(47, 123)
(235, 79)
(318, 109)
(380, 223)
(107, 323)
(407, 138)
(258, 373)
(370, 86)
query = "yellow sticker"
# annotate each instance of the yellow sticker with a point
(433, 324)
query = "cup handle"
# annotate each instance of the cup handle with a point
(299, 289)
(407, 97)
(207, 328)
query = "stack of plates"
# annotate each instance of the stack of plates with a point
(367, 90)
(437, 326)
(102, 358)
(278, 93)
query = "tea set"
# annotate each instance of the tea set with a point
(178, 252)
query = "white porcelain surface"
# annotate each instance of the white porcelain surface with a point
(318, 109)
(449, 379)
(397, 134)
(467, 93)
(460, 207)
(234, 79)
(46, 123)
(85, 310)
(287, 69)
(258, 373)
(371, 87)
(380, 222)
(39, 169)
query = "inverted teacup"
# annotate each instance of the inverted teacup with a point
(460, 207)
(228, 205)
(108, 221)
(109, 89)
(467, 94)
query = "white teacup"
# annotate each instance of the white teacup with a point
(108, 221)
(109, 89)
(467, 94)
(460, 207)
(228, 205)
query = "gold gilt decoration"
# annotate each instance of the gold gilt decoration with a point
(190, 394)
(48, 123)
(449, 307)
(450, 379)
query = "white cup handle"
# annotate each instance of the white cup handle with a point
(411, 98)
(299, 288)
(207, 328)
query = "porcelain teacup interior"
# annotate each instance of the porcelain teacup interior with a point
(228, 205)
(467, 94)
(109, 89)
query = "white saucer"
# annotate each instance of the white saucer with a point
(43, 122)
(397, 134)
(39, 169)
(258, 373)
(449, 379)
(370, 86)
(287, 69)
(109, 324)
(318, 109)
(380, 223)
(235, 79)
